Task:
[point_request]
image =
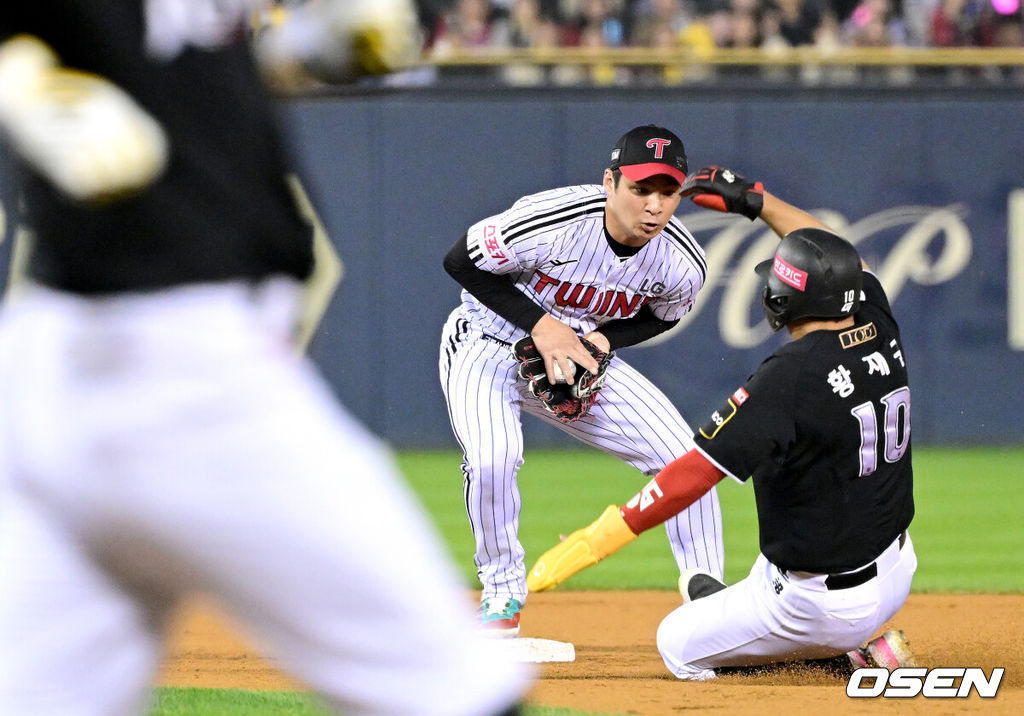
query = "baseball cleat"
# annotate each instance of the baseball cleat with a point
(859, 658)
(891, 650)
(500, 617)
(696, 583)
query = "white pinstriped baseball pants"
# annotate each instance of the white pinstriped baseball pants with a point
(631, 419)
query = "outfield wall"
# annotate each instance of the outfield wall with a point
(930, 187)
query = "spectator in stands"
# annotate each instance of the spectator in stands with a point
(718, 18)
(798, 20)
(746, 31)
(468, 24)
(1008, 31)
(529, 26)
(874, 24)
(596, 23)
(771, 28)
(829, 33)
(917, 19)
(954, 23)
(659, 23)
(999, 23)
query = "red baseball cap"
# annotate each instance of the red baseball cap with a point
(645, 151)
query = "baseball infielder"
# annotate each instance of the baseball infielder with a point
(159, 434)
(822, 429)
(607, 262)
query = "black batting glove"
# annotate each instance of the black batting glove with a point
(723, 190)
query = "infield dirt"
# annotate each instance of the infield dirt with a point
(618, 670)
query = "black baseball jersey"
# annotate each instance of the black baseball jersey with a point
(823, 430)
(223, 209)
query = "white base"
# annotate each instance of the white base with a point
(538, 650)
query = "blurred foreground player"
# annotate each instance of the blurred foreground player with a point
(822, 430)
(159, 435)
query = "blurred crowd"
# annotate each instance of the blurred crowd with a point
(468, 24)
(460, 27)
(452, 26)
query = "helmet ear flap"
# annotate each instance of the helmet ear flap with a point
(776, 308)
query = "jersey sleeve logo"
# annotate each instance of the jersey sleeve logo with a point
(724, 414)
(857, 335)
(490, 242)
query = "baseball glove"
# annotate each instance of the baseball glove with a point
(724, 190)
(567, 401)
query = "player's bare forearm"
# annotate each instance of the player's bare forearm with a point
(783, 217)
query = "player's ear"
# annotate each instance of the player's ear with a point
(609, 181)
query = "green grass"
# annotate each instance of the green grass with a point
(233, 702)
(238, 702)
(968, 530)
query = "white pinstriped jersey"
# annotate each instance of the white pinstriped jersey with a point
(554, 248)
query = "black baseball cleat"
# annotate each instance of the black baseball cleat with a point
(696, 583)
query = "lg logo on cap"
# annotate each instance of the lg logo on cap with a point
(658, 145)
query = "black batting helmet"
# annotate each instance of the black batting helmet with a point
(814, 274)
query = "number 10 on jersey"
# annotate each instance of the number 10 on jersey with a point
(896, 429)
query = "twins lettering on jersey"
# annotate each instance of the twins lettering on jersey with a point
(609, 302)
(553, 247)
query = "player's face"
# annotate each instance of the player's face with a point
(637, 211)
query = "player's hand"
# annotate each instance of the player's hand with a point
(599, 340)
(583, 548)
(79, 131)
(560, 346)
(723, 190)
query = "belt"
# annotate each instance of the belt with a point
(855, 579)
(495, 339)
